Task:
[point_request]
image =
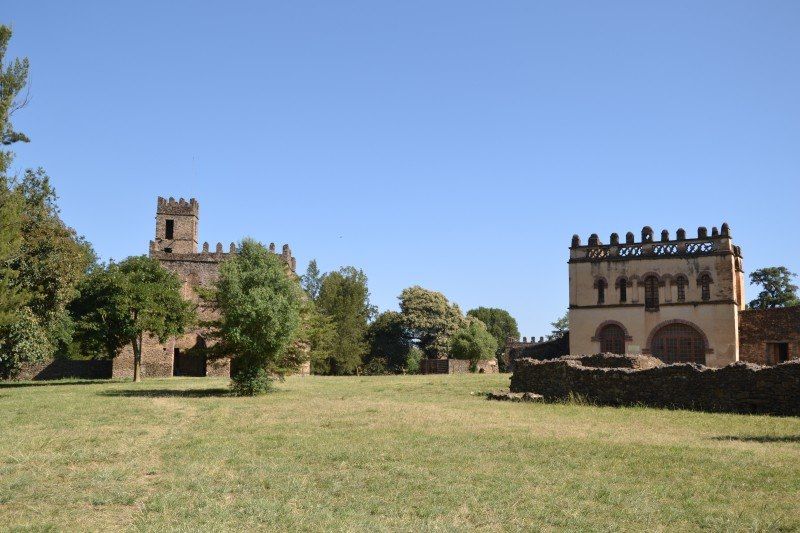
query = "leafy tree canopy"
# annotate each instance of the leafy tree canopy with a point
(259, 304)
(430, 319)
(389, 341)
(560, 327)
(312, 280)
(473, 342)
(500, 324)
(13, 78)
(121, 303)
(777, 288)
(344, 299)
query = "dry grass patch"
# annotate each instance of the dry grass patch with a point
(381, 453)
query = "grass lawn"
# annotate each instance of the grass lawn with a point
(380, 453)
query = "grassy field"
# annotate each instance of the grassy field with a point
(380, 453)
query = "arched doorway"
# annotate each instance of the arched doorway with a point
(191, 362)
(679, 343)
(612, 339)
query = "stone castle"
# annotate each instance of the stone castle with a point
(678, 299)
(175, 246)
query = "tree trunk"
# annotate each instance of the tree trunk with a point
(137, 359)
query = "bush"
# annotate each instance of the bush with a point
(473, 343)
(415, 355)
(251, 380)
(22, 341)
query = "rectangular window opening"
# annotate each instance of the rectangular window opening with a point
(170, 230)
(777, 352)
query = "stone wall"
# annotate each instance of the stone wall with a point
(65, 368)
(739, 387)
(536, 350)
(760, 327)
(456, 366)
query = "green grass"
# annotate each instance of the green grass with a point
(381, 453)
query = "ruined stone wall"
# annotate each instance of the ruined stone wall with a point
(758, 327)
(536, 350)
(65, 368)
(739, 387)
(456, 366)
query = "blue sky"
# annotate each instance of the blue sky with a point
(452, 144)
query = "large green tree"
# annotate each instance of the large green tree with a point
(344, 300)
(777, 288)
(312, 280)
(120, 304)
(430, 320)
(259, 304)
(473, 342)
(389, 342)
(52, 258)
(501, 325)
(13, 78)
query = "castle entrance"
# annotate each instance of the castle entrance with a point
(191, 362)
(679, 343)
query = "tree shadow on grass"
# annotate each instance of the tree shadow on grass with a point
(760, 438)
(166, 393)
(53, 383)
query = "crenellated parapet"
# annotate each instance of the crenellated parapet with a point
(171, 206)
(215, 255)
(718, 242)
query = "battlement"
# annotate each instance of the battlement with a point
(217, 255)
(719, 242)
(177, 207)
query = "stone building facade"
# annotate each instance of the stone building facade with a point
(176, 247)
(678, 299)
(769, 336)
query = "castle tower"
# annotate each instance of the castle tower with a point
(176, 225)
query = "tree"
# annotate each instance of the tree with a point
(344, 300)
(389, 342)
(473, 342)
(13, 78)
(12, 297)
(259, 304)
(22, 340)
(778, 290)
(121, 303)
(312, 280)
(52, 259)
(430, 320)
(500, 324)
(560, 327)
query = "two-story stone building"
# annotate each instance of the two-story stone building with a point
(678, 299)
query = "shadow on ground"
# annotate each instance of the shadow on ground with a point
(166, 393)
(17, 384)
(760, 438)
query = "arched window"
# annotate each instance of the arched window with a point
(651, 293)
(705, 286)
(678, 343)
(623, 290)
(681, 283)
(601, 291)
(612, 339)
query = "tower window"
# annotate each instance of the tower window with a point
(601, 291)
(623, 291)
(651, 293)
(170, 229)
(681, 283)
(705, 287)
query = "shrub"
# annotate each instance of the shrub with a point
(22, 341)
(473, 343)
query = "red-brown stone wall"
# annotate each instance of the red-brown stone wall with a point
(758, 327)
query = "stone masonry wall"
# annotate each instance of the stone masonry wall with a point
(757, 327)
(739, 387)
(65, 368)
